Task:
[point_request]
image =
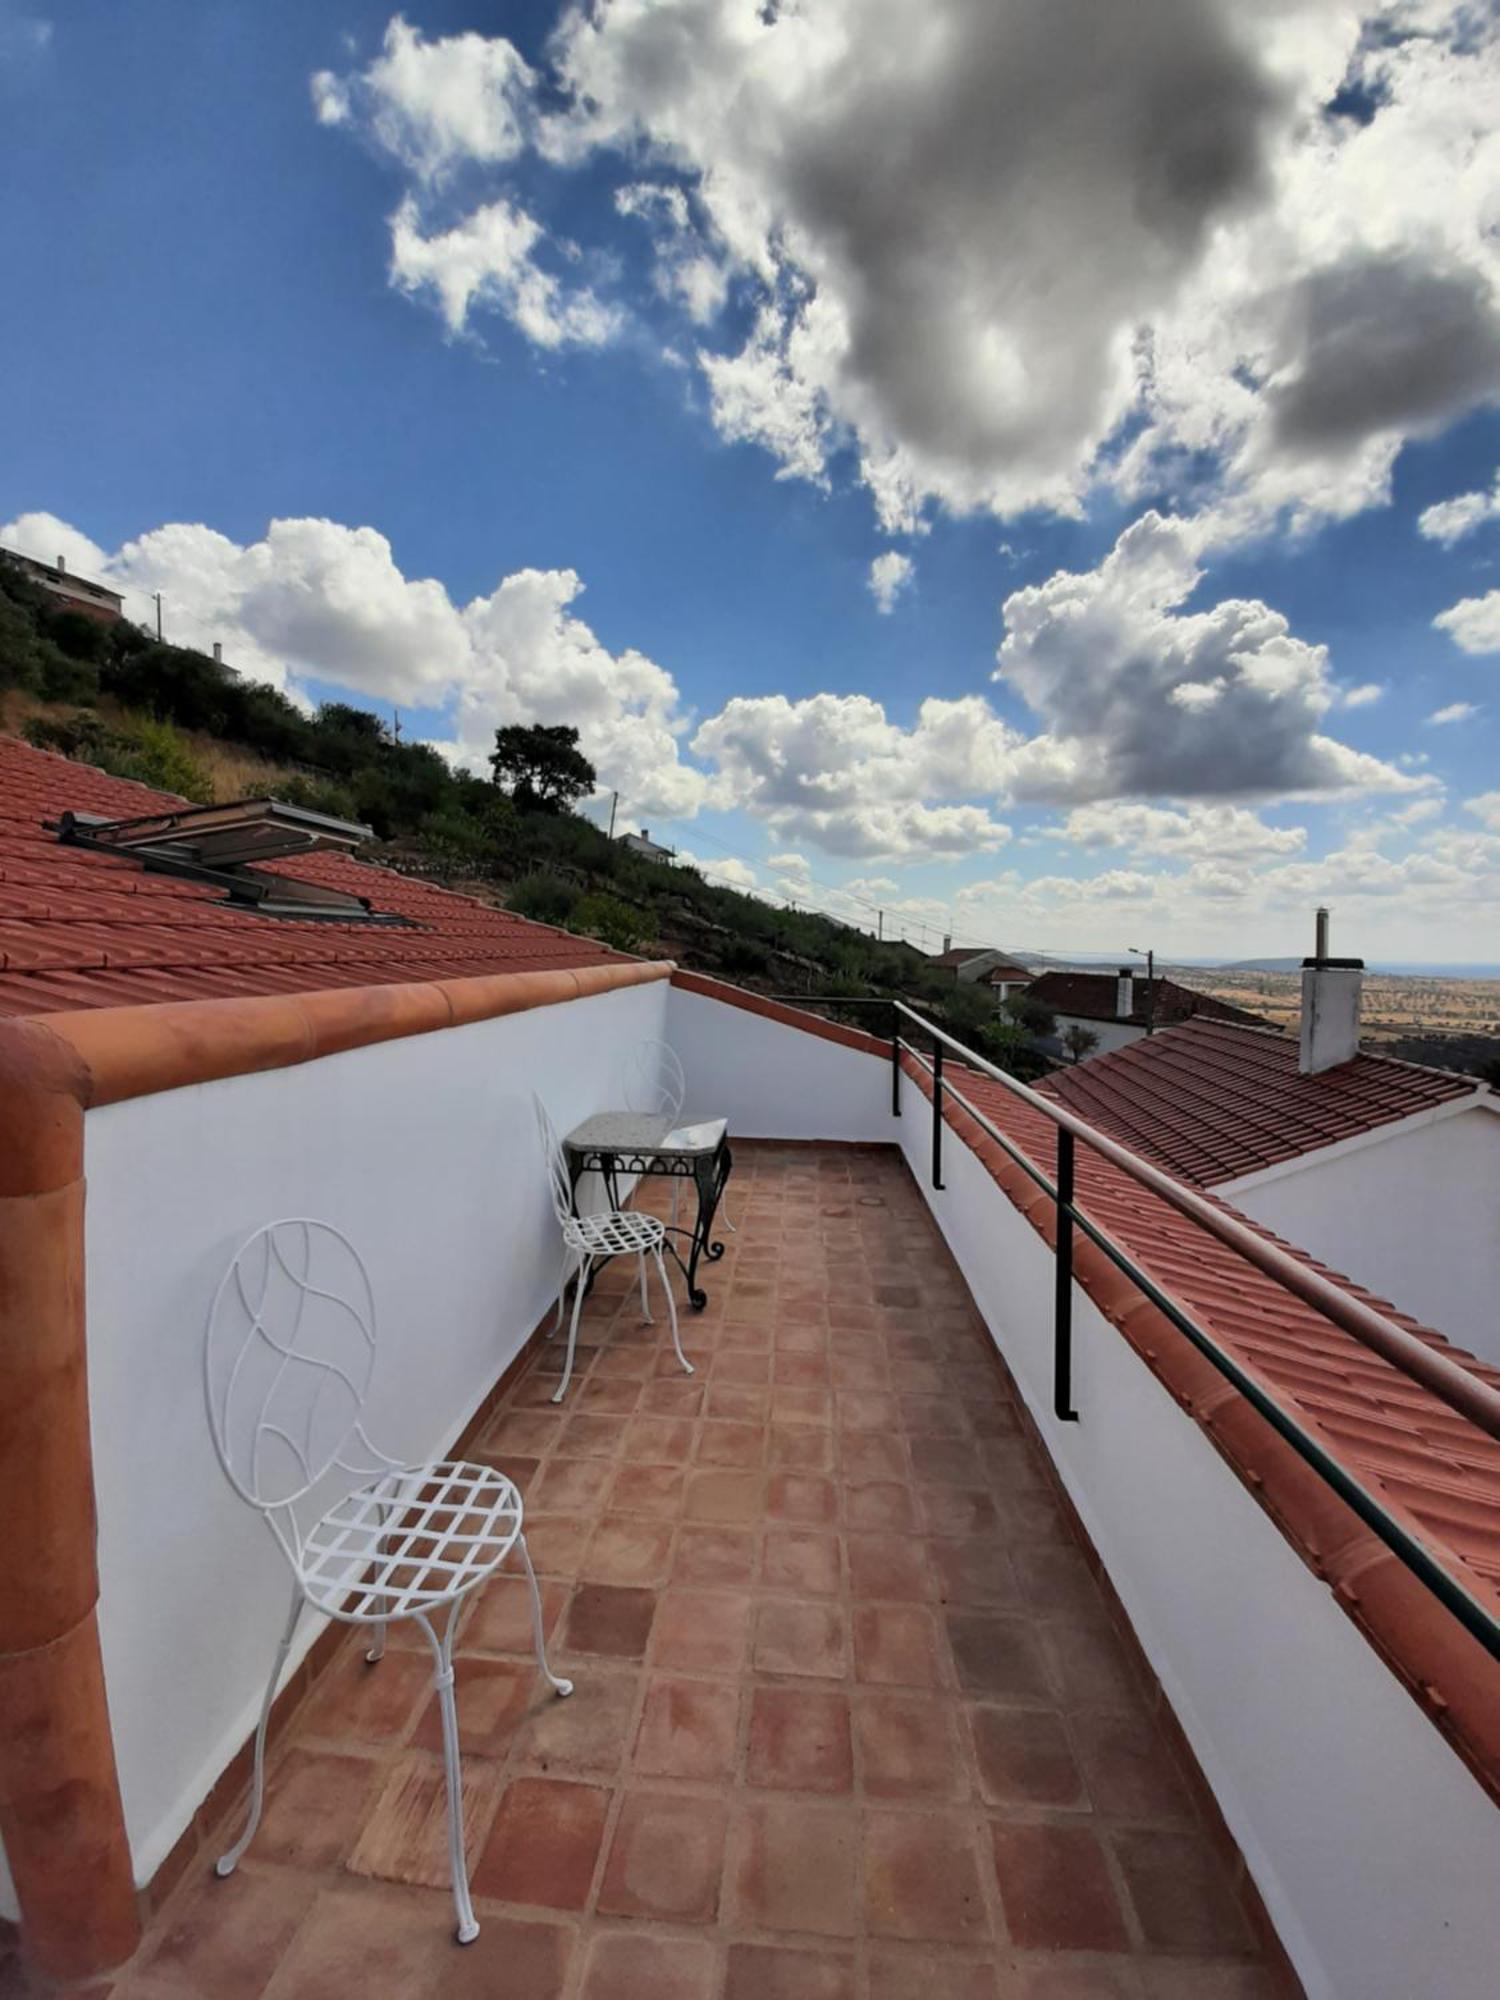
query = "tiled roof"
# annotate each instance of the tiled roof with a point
(83, 929)
(1090, 996)
(961, 954)
(1210, 1100)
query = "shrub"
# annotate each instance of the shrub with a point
(612, 922)
(157, 756)
(547, 898)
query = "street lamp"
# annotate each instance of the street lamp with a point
(1150, 958)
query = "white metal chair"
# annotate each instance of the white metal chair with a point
(655, 1081)
(288, 1359)
(617, 1232)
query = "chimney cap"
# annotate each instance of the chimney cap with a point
(1334, 964)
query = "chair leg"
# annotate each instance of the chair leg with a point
(666, 1285)
(567, 1375)
(558, 1684)
(227, 1862)
(377, 1651)
(645, 1302)
(442, 1680)
(562, 1295)
(723, 1213)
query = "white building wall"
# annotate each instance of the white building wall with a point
(1412, 1213)
(1112, 1034)
(1375, 1850)
(424, 1152)
(774, 1081)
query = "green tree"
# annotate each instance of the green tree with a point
(541, 766)
(1079, 1041)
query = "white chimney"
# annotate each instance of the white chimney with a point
(948, 941)
(62, 565)
(218, 652)
(1124, 994)
(1330, 1006)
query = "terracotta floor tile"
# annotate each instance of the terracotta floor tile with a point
(732, 1445)
(499, 1621)
(702, 1632)
(1091, 1666)
(225, 1937)
(742, 1366)
(655, 1490)
(799, 1741)
(801, 1448)
(893, 1567)
(896, 1645)
(1181, 1895)
(724, 1498)
(572, 1486)
(660, 1440)
(587, 1734)
(803, 1497)
(797, 1369)
(609, 1618)
(688, 1730)
(1209, 1979)
(707, 1555)
(529, 1433)
(800, 1561)
(544, 1844)
(796, 1868)
(1024, 1758)
(999, 1656)
(675, 1395)
(362, 1940)
(316, 1805)
(1129, 1768)
(973, 1573)
(492, 1697)
(800, 1636)
(864, 1457)
(355, 1702)
(609, 1395)
(626, 1966)
(908, 1748)
(1039, 1980)
(628, 1549)
(909, 1972)
(801, 1406)
(959, 1510)
(922, 1878)
(886, 1505)
(513, 1956)
(866, 1410)
(665, 1859)
(405, 1838)
(770, 1972)
(1055, 1888)
(557, 1543)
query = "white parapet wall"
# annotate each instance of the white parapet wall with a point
(1376, 1851)
(424, 1152)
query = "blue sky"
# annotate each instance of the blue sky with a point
(588, 365)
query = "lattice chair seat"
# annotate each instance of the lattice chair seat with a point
(624, 1232)
(410, 1541)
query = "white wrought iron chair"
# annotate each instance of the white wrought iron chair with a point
(616, 1232)
(655, 1081)
(288, 1358)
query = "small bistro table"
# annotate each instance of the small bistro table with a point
(646, 1142)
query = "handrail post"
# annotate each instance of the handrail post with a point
(895, 1062)
(937, 1113)
(1062, 1300)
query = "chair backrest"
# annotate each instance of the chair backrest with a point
(559, 1180)
(654, 1079)
(287, 1359)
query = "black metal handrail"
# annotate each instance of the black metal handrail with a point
(1463, 1391)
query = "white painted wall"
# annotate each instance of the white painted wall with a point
(1112, 1034)
(1375, 1850)
(424, 1152)
(1411, 1212)
(773, 1081)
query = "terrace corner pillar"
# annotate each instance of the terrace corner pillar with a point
(61, 1819)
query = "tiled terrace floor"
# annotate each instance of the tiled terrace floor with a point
(851, 1721)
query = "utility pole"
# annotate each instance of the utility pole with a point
(157, 595)
(1150, 958)
(614, 800)
(880, 926)
(395, 722)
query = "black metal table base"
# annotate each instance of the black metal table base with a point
(709, 1173)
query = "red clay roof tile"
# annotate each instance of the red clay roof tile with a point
(1210, 1101)
(1090, 996)
(80, 929)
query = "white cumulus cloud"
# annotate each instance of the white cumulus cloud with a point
(890, 573)
(1473, 624)
(1449, 521)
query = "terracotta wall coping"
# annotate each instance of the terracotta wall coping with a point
(129, 1052)
(777, 1010)
(1448, 1673)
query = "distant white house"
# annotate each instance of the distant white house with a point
(1384, 1169)
(973, 965)
(1118, 1008)
(649, 850)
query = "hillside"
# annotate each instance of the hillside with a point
(173, 718)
